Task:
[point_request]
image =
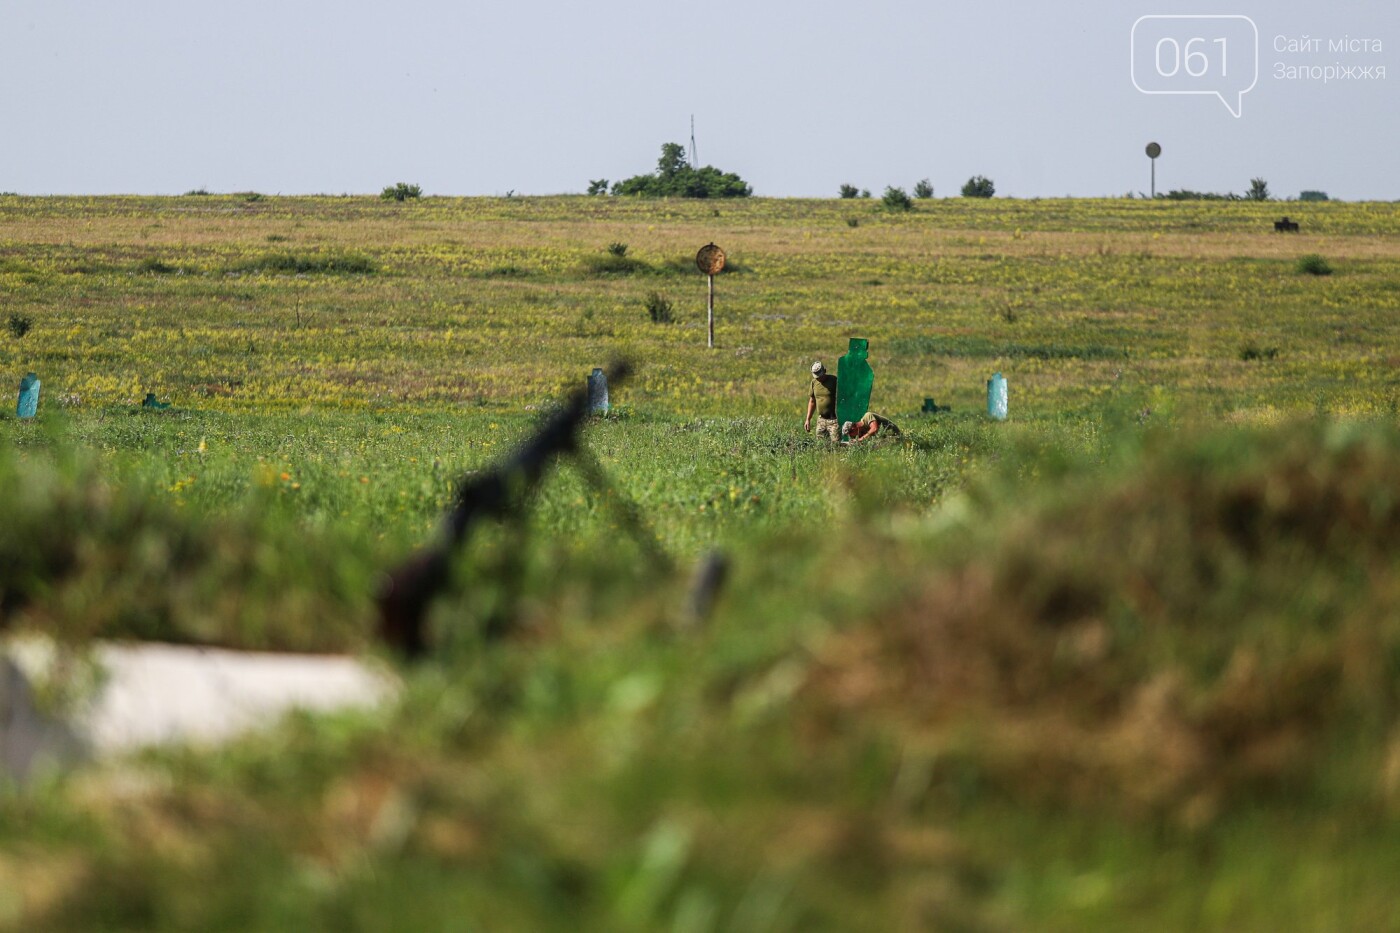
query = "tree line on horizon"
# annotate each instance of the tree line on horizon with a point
(675, 177)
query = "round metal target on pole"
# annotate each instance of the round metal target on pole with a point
(1153, 151)
(710, 260)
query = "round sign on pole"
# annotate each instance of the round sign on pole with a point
(710, 259)
(1153, 150)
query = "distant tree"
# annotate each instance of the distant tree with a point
(849, 191)
(401, 192)
(672, 161)
(923, 189)
(1313, 196)
(896, 199)
(865, 192)
(598, 186)
(674, 178)
(978, 187)
(1258, 190)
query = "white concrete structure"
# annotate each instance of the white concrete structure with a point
(58, 709)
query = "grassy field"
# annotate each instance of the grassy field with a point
(1128, 660)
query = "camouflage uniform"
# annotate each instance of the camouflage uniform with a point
(887, 427)
(823, 393)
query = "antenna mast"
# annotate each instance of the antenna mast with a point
(694, 162)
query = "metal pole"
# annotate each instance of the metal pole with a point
(711, 311)
(1154, 179)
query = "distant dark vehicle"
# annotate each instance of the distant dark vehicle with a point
(1285, 226)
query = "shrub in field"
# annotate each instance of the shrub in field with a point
(1258, 190)
(979, 186)
(617, 249)
(19, 325)
(923, 189)
(1186, 194)
(197, 193)
(865, 192)
(853, 221)
(1313, 264)
(310, 264)
(153, 266)
(896, 199)
(401, 192)
(1313, 196)
(613, 264)
(506, 271)
(659, 309)
(849, 191)
(598, 186)
(1250, 352)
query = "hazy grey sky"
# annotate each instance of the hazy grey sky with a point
(304, 96)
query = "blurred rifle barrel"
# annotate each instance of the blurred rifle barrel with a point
(406, 592)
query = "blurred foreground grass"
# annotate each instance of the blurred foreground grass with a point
(1144, 677)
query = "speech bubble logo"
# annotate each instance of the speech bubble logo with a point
(1206, 54)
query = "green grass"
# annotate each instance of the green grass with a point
(1128, 660)
(611, 763)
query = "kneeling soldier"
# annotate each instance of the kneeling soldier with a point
(871, 425)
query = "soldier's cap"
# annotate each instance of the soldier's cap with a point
(818, 368)
(846, 428)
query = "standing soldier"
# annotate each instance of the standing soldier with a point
(822, 401)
